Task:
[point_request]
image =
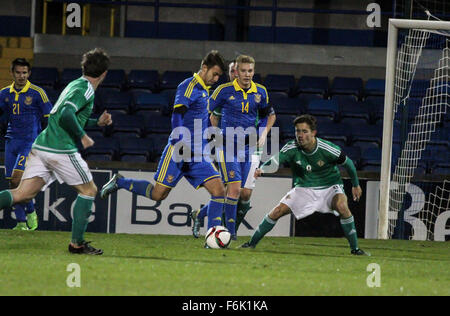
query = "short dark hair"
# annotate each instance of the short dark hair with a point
(20, 62)
(95, 62)
(308, 119)
(214, 59)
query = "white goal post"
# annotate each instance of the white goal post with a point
(389, 109)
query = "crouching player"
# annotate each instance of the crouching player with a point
(318, 185)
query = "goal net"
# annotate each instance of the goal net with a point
(415, 154)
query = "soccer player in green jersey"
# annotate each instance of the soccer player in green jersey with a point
(54, 154)
(318, 185)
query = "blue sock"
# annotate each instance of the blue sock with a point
(140, 187)
(19, 210)
(29, 207)
(203, 212)
(230, 214)
(215, 209)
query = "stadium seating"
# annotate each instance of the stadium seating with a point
(44, 76)
(367, 133)
(311, 84)
(335, 132)
(371, 159)
(156, 122)
(375, 87)
(306, 98)
(284, 83)
(286, 126)
(159, 143)
(52, 94)
(104, 146)
(144, 101)
(328, 108)
(135, 149)
(344, 85)
(128, 125)
(171, 79)
(115, 78)
(143, 79)
(355, 111)
(282, 104)
(354, 153)
(99, 157)
(441, 168)
(112, 99)
(68, 75)
(257, 78)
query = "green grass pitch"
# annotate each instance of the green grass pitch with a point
(35, 263)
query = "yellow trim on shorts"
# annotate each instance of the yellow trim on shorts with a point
(165, 164)
(164, 185)
(224, 168)
(207, 179)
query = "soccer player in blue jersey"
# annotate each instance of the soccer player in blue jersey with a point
(244, 104)
(190, 112)
(27, 108)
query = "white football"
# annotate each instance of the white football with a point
(218, 237)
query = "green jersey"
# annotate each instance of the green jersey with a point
(316, 169)
(78, 94)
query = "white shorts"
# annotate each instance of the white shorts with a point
(305, 201)
(66, 168)
(250, 180)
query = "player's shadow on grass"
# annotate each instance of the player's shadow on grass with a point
(212, 261)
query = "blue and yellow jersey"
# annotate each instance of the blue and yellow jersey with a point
(239, 107)
(193, 94)
(25, 110)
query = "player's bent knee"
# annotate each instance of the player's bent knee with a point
(279, 211)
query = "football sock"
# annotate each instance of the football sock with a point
(19, 210)
(81, 213)
(203, 212)
(230, 214)
(29, 207)
(6, 199)
(348, 226)
(140, 187)
(242, 208)
(266, 226)
(215, 209)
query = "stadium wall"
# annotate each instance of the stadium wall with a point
(164, 54)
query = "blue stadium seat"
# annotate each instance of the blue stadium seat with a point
(257, 78)
(344, 85)
(355, 110)
(52, 94)
(44, 76)
(104, 146)
(413, 105)
(368, 133)
(169, 94)
(159, 143)
(354, 153)
(99, 157)
(306, 98)
(419, 88)
(311, 84)
(284, 83)
(285, 105)
(115, 78)
(134, 158)
(441, 168)
(334, 132)
(375, 87)
(143, 101)
(286, 125)
(328, 108)
(156, 122)
(68, 75)
(127, 124)
(371, 159)
(171, 79)
(112, 99)
(135, 146)
(376, 107)
(143, 79)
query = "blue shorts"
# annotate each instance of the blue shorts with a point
(238, 171)
(16, 153)
(196, 173)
